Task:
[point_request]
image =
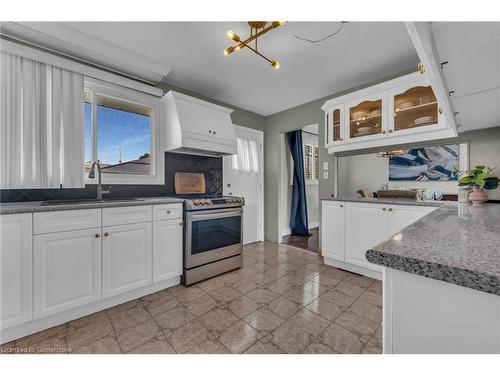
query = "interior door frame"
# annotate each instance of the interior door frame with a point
(260, 136)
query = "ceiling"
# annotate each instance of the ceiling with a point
(190, 55)
(472, 50)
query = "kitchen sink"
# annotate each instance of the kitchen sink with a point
(86, 201)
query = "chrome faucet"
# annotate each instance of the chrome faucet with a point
(100, 192)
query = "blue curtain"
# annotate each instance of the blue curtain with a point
(298, 212)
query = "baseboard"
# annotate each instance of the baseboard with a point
(353, 268)
(37, 325)
(314, 224)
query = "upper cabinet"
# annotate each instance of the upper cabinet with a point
(367, 118)
(402, 110)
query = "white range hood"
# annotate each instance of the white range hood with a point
(194, 126)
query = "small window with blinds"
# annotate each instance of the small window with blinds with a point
(309, 162)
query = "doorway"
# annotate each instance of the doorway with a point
(243, 176)
(312, 170)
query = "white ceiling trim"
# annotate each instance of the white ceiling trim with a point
(97, 47)
(47, 58)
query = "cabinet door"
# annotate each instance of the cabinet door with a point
(67, 270)
(366, 118)
(334, 125)
(16, 269)
(366, 227)
(414, 109)
(167, 249)
(126, 258)
(402, 216)
(332, 230)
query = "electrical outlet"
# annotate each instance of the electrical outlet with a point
(325, 165)
(325, 175)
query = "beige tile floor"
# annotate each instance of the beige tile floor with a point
(283, 300)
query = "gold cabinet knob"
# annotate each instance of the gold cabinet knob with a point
(168, 212)
(390, 209)
(383, 131)
(390, 130)
(341, 205)
(421, 68)
(209, 131)
(384, 209)
(106, 234)
(97, 235)
(181, 223)
(341, 139)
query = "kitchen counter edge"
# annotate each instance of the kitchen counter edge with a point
(32, 207)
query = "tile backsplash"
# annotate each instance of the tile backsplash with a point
(211, 167)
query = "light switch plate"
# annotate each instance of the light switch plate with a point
(325, 165)
(325, 175)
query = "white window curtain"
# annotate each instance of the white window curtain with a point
(247, 158)
(41, 125)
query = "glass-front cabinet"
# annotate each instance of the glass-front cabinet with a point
(413, 108)
(334, 125)
(366, 117)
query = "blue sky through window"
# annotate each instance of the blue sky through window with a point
(117, 130)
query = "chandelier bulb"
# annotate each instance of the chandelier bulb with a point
(230, 34)
(275, 64)
(228, 50)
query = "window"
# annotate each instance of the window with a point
(120, 131)
(247, 158)
(311, 162)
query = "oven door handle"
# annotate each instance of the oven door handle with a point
(194, 216)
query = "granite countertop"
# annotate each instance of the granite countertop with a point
(456, 243)
(27, 207)
(399, 201)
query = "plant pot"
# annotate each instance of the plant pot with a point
(478, 196)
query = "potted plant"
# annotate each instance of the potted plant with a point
(479, 179)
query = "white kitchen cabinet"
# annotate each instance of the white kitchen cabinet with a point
(126, 258)
(67, 270)
(126, 215)
(366, 225)
(414, 109)
(402, 110)
(332, 230)
(335, 129)
(16, 265)
(401, 216)
(349, 229)
(366, 117)
(167, 249)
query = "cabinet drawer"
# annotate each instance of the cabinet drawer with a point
(62, 221)
(125, 215)
(167, 211)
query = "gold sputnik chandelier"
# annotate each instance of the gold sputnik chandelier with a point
(257, 29)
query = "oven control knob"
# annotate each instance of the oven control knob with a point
(209, 201)
(196, 202)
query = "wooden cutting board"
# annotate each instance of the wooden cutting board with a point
(189, 183)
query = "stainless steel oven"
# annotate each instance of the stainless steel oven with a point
(213, 242)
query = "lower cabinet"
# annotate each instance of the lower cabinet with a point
(365, 227)
(349, 229)
(167, 249)
(402, 216)
(126, 258)
(332, 230)
(16, 269)
(67, 270)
